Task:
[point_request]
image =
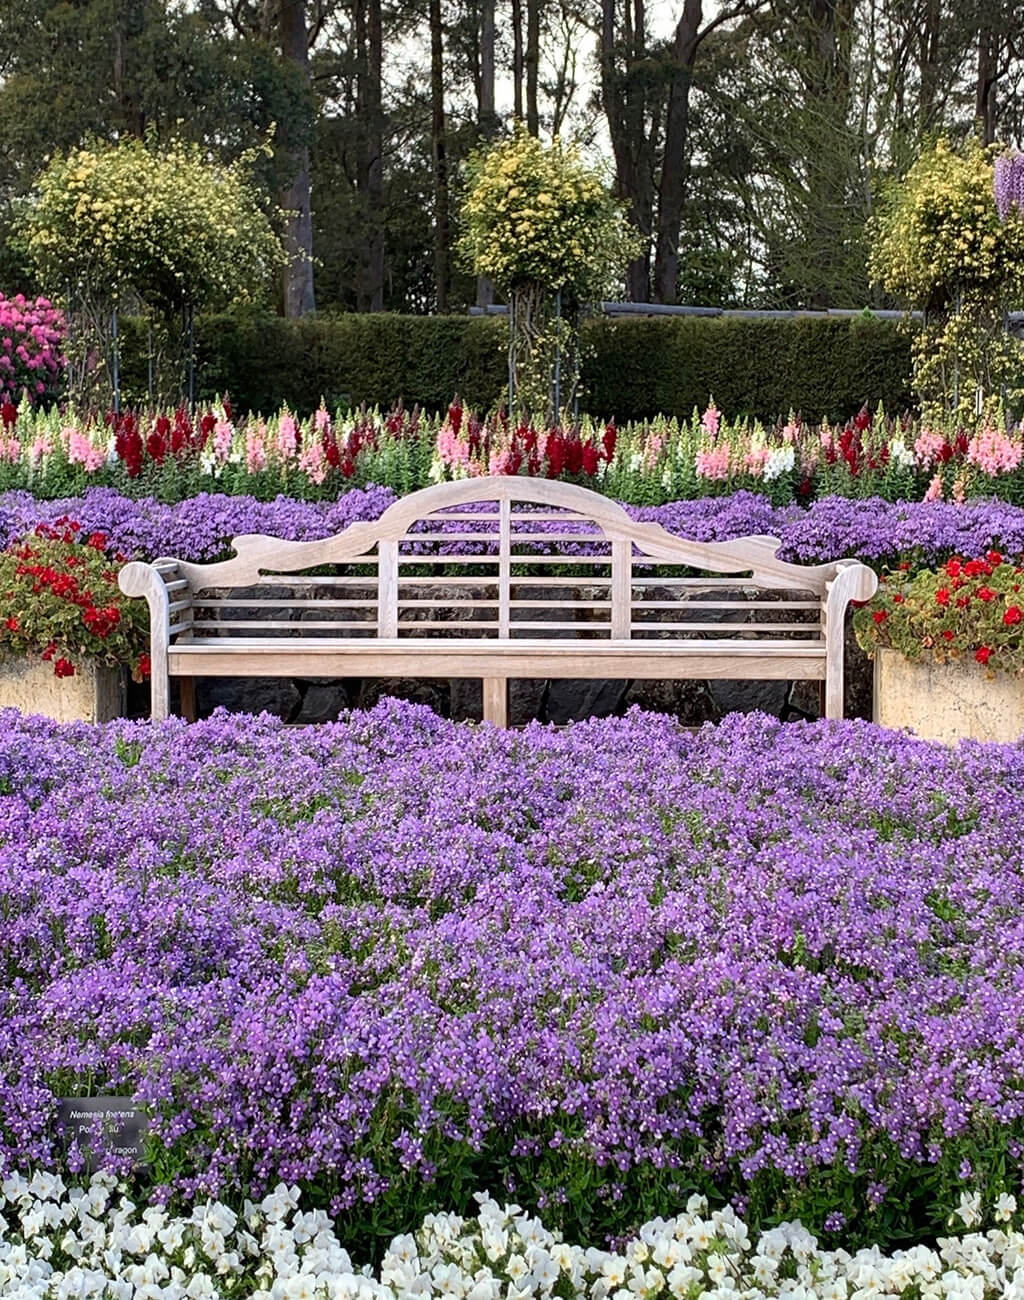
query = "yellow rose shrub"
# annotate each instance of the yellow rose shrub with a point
(136, 225)
(535, 220)
(939, 244)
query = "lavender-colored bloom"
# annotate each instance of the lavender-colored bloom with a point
(1009, 182)
(361, 953)
(872, 530)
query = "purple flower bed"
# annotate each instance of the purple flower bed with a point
(396, 959)
(875, 531)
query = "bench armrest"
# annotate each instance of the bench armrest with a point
(139, 579)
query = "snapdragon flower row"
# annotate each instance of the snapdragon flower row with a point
(876, 531)
(395, 958)
(58, 1242)
(176, 454)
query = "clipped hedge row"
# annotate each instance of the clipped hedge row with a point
(633, 369)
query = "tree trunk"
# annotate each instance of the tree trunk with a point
(674, 164)
(985, 90)
(486, 116)
(298, 231)
(532, 65)
(437, 139)
(374, 156)
(929, 61)
(517, 59)
(624, 101)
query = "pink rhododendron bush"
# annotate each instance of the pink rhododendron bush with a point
(32, 362)
(395, 959)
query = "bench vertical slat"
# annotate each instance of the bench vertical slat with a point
(496, 700)
(504, 567)
(387, 589)
(622, 590)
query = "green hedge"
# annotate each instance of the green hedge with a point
(633, 369)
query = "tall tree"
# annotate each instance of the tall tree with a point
(442, 234)
(295, 198)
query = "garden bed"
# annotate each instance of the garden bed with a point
(394, 960)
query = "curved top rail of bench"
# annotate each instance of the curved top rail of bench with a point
(256, 554)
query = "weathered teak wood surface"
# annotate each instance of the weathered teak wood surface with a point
(391, 609)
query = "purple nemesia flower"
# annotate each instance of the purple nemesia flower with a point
(335, 955)
(876, 531)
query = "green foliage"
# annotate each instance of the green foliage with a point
(632, 369)
(822, 369)
(938, 244)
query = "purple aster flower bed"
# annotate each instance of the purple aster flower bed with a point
(396, 959)
(874, 530)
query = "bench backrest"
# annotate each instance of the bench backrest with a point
(495, 550)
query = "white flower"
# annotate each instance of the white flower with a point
(1005, 1206)
(900, 454)
(969, 1209)
(778, 461)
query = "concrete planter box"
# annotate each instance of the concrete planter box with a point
(947, 702)
(95, 693)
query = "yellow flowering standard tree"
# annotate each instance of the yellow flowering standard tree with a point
(545, 228)
(939, 243)
(134, 224)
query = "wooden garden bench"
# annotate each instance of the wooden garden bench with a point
(498, 578)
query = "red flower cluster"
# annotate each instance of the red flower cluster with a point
(163, 438)
(62, 600)
(967, 607)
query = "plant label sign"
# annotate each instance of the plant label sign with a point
(112, 1125)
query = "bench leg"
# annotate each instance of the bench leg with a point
(496, 700)
(187, 687)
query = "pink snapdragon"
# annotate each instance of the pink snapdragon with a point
(82, 451)
(223, 433)
(928, 447)
(653, 450)
(714, 463)
(711, 419)
(754, 460)
(287, 437)
(934, 492)
(313, 461)
(255, 448)
(993, 452)
(452, 449)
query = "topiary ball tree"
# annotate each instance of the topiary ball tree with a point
(539, 222)
(135, 223)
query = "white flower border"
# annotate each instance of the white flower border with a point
(63, 1243)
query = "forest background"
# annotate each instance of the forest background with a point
(749, 141)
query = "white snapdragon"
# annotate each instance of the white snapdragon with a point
(900, 454)
(779, 461)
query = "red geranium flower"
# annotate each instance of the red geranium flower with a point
(1012, 616)
(942, 595)
(64, 668)
(985, 593)
(880, 615)
(982, 654)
